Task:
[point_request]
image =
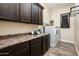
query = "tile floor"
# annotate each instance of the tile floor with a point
(62, 49)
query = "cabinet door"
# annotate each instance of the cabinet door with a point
(25, 12)
(35, 13)
(47, 42)
(23, 52)
(11, 49)
(40, 16)
(44, 44)
(9, 11)
(36, 50)
(36, 47)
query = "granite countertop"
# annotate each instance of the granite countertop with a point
(6, 41)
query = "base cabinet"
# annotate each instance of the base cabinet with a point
(35, 47)
(23, 52)
(44, 47)
(48, 42)
(40, 45)
(45, 43)
(36, 50)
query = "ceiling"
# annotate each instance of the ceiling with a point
(52, 6)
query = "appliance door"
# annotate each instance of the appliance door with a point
(54, 35)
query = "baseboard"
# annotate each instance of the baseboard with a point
(72, 42)
(76, 49)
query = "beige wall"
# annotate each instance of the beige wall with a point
(67, 34)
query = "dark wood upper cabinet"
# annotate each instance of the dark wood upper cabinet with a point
(9, 11)
(35, 13)
(22, 12)
(25, 12)
(40, 15)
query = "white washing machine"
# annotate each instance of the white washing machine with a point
(54, 34)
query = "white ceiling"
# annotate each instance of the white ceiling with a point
(52, 6)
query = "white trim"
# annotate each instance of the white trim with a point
(72, 42)
(76, 49)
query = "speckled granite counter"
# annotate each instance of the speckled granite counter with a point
(10, 40)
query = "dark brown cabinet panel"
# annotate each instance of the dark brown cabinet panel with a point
(36, 50)
(11, 50)
(22, 12)
(9, 11)
(36, 47)
(35, 13)
(44, 46)
(46, 43)
(25, 12)
(23, 52)
(40, 15)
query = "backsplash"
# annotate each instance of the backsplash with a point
(7, 27)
